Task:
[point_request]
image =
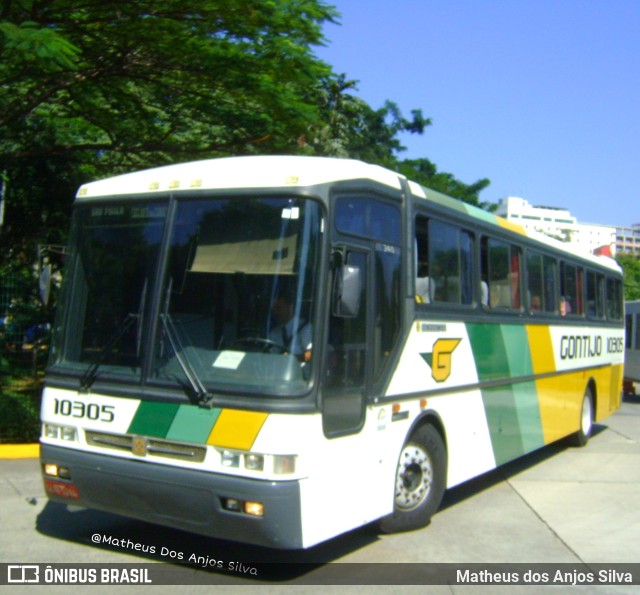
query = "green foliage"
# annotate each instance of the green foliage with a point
(349, 127)
(150, 81)
(19, 413)
(90, 89)
(631, 267)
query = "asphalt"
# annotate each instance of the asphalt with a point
(560, 504)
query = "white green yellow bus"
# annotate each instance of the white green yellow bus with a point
(277, 350)
(632, 346)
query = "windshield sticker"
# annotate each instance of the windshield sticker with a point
(229, 360)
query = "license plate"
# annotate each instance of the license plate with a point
(58, 488)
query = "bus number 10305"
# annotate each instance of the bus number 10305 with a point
(80, 410)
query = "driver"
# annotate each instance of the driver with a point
(293, 334)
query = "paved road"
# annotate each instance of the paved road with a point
(561, 504)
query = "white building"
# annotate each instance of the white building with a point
(628, 239)
(558, 223)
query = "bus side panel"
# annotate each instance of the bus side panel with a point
(520, 386)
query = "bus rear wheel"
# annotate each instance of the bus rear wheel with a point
(419, 481)
(581, 437)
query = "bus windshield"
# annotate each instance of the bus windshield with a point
(230, 309)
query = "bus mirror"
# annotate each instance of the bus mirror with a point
(347, 290)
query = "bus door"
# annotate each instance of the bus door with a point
(345, 361)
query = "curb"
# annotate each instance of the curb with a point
(19, 451)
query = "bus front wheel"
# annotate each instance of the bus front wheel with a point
(581, 437)
(419, 481)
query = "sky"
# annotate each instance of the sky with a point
(542, 97)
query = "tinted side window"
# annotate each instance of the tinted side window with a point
(595, 295)
(614, 299)
(368, 217)
(500, 274)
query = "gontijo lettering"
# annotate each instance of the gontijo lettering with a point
(588, 346)
(580, 346)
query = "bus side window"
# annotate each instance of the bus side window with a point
(500, 270)
(444, 263)
(570, 289)
(614, 299)
(423, 291)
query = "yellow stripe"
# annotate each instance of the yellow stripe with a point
(511, 226)
(237, 429)
(541, 349)
(560, 399)
(19, 451)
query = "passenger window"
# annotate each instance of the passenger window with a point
(444, 263)
(570, 290)
(595, 295)
(614, 299)
(500, 274)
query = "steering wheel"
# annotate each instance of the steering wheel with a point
(259, 344)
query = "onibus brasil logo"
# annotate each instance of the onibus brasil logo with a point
(439, 359)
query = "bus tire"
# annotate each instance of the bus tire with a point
(419, 481)
(581, 437)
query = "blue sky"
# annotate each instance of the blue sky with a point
(540, 96)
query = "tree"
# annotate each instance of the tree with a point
(89, 89)
(631, 270)
(139, 83)
(349, 127)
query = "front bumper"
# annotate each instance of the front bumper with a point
(181, 498)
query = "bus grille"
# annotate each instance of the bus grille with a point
(153, 446)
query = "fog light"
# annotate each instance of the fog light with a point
(230, 459)
(64, 473)
(51, 469)
(50, 431)
(284, 464)
(232, 504)
(254, 508)
(254, 462)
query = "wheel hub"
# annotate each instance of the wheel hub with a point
(414, 477)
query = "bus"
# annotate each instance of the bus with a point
(277, 350)
(632, 347)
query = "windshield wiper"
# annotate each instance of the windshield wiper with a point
(202, 395)
(89, 377)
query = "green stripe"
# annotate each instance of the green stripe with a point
(528, 412)
(193, 424)
(513, 412)
(489, 353)
(502, 417)
(153, 419)
(516, 347)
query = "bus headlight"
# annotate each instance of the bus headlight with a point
(283, 464)
(254, 462)
(66, 433)
(230, 459)
(251, 461)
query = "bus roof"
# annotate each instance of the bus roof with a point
(240, 172)
(281, 171)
